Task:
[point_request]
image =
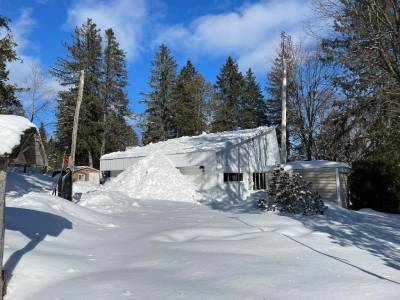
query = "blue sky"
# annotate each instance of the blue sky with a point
(205, 31)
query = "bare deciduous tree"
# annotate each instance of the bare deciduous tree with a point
(313, 98)
(39, 93)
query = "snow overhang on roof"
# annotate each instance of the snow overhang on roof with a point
(188, 144)
(315, 164)
(79, 168)
(12, 129)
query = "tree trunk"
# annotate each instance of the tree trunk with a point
(3, 179)
(309, 144)
(90, 157)
(103, 140)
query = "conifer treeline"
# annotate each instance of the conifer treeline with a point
(343, 93)
(102, 125)
(185, 104)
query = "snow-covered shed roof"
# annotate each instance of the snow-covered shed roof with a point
(11, 130)
(315, 164)
(187, 144)
(79, 168)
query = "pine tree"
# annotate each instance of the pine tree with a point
(291, 194)
(43, 133)
(228, 97)
(83, 54)
(159, 125)
(114, 97)
(9, 103)
(253, 109)
(190, 97)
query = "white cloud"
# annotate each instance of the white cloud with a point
(251, 33)
(20, 70)
(126, 17)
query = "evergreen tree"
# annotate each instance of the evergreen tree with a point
(84, 53)
(9, 103)
(291, 194)
(114, 97)
(190, 97)
(159, 125)
(43, 133)
(228, 97)
(364, 45)
(253, 109)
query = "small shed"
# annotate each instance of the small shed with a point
(328, 178)
(85, 173)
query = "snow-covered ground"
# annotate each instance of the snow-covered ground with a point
(111, 246)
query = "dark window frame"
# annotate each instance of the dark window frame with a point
(233, 177)
(259, 181)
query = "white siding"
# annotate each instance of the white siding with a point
(255, 155)
(179, 160)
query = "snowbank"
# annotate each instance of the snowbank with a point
(11, 129)
(154, 177)
(84, 187)
(107, 202)
(55, 249)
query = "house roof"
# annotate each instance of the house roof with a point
(315, 164)
(188, 144)
(79, 168)
(11, 130)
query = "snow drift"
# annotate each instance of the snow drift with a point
(154, 177)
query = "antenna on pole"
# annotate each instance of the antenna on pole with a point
(284, 96)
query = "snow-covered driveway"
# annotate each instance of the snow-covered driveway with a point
(120, 248)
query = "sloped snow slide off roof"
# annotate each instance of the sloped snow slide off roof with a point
(187, 144)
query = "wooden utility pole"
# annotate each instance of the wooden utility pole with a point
(76, 119)
(3, 179)
(284, 96)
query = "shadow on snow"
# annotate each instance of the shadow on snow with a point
(35, 225)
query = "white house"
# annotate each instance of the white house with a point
(225, 165)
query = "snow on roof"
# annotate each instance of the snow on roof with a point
(11, 129)
(315, 164)
(78, 168)
(187, 144)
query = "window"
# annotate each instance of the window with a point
(81, 177)
(232, 177)
(259, 181)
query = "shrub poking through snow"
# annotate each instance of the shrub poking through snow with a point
(291, 194)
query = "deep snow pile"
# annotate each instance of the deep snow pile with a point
(55, 249)
(154, 177)
(84, 187)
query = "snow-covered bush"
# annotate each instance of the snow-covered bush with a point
(291, 194)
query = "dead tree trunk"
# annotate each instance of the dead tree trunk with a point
(3, 179)
(90, 158)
